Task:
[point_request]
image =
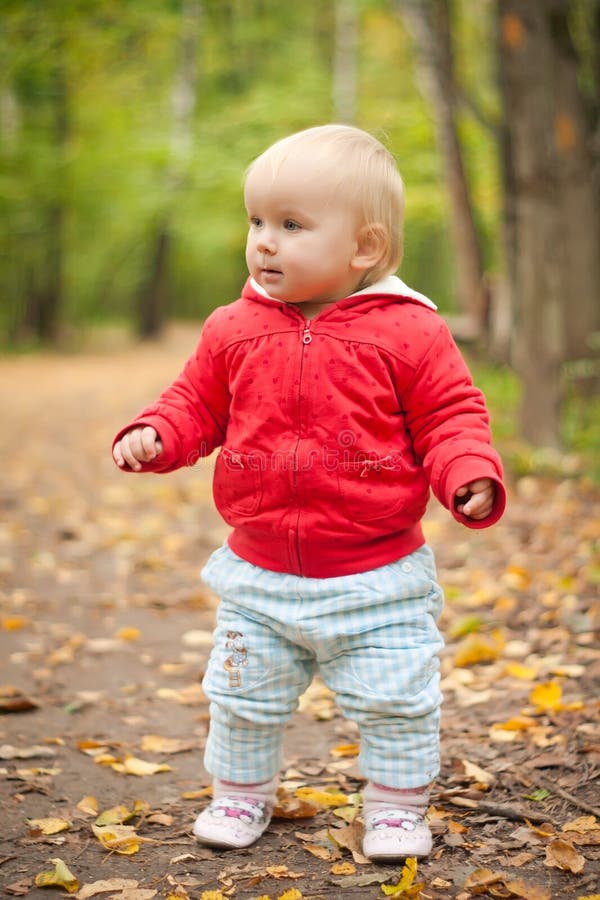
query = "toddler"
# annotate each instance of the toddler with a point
(338, 399)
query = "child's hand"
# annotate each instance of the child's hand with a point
(476, 499)
(137, 446)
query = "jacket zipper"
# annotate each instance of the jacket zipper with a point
(306, 340)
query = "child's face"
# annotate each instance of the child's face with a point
(303, 238)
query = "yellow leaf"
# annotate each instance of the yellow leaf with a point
(49, 826)
(155, 743)
(324, 799)
(134, 766)
(405, 886)
(291, 894)
(60, 877)
(547, 696)
(343, 868)
(563, 855)
(118, 838)
(343, 750)
(117, 815)
(517, 723)
(88, 805)
(212, 895)
(14, 623)
(477, 648)
(518, 670)
(590, 897)
(128, 633)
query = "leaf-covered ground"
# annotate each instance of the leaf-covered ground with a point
(104, 635)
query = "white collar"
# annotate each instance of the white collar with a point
(391, 284)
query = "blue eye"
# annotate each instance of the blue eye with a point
(289, 225)
(254, 220)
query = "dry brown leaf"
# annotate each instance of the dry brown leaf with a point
(289, 806)
(563, 855)
(319, 851)
(12, 700)
(349, 837)
(522, 890)
(106, 886)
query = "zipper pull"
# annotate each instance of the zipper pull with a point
(307, 336)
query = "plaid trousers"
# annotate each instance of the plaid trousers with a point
(372, 636)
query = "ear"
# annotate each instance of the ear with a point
(371, 245)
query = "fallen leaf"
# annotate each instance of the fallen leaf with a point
(288, 806)
(343, 750)
(128, 633)
(473, 771)
(121, 839)
(518, 670)
(117, 815)
(546, 697)
(131, 765)
(483, 878)
(290, 894)
(324, 799)
(343, 868)
(106, 886)
(154, 743)
(282, 872)
(349, 837)
(60, 877)
(563, 855)
(49, 826)
(14, 623)
(88, 805)
(19, 888)
(582, 825)
(522, 890)
(12, 700)
(405, 887)
(477, 648)
(9, 752)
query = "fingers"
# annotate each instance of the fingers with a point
(479, 498)
(140, 445)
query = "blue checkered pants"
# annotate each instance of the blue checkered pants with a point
(372, 636)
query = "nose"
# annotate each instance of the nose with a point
(265, 242)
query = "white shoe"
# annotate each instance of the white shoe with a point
(395, 834)
(232, 821)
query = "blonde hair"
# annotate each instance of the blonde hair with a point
(363, 170)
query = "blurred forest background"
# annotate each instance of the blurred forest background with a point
(126, 126)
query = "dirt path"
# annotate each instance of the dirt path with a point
(105, 630)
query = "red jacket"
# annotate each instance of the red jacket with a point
(331, 430)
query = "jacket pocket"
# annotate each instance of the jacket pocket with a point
(237, 485)
(372, 488)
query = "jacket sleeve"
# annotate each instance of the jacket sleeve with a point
(449, 423)
(191, 415)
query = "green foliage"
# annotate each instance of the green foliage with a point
(580, 422)
(86, 140)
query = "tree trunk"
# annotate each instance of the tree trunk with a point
(44, 299)
(553, 223)
(429, 23)
(153, 298)
(345, 62)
